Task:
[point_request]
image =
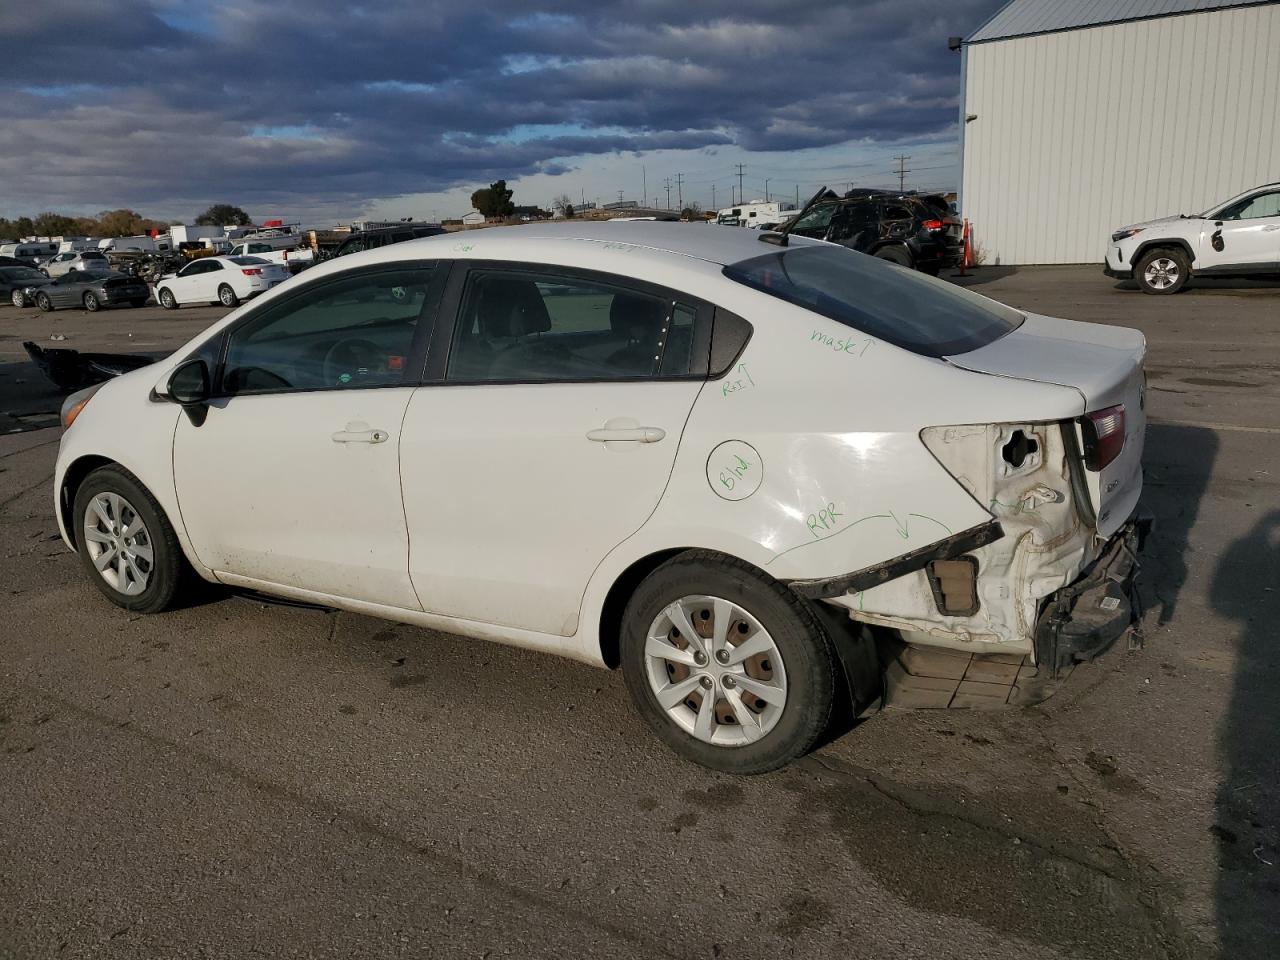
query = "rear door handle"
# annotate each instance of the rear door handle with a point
(359, 432)
(626, 430)
(633, 435)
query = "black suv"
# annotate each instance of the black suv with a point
(371, 239)
(914, 230)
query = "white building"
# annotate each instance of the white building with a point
(754, 213)
(1081, 117)
(473, 219)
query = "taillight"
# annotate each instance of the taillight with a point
(252, 272)
(1103, 436)
(934, 225)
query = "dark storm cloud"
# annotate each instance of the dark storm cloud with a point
(162, 104)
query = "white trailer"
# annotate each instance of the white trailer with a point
(754, 214)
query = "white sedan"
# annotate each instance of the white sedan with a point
(225, 280)
(730, 467)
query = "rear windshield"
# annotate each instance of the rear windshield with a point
(247, 261)
(917, 312)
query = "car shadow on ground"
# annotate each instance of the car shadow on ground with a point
(1246, 588)
(977, 276)
(1207, 285)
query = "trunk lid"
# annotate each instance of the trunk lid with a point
(1104, 365)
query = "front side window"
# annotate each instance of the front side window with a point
(1254, 208)
(912, 310)
(345, 334)
(517, 326)
(815, 222)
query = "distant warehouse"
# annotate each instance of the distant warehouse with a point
(1079, 117)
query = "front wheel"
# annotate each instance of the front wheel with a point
(18, 298)
(730, 668)
(1162, 271)
(126, 543)
(227, 297)
(43, 302)
(91, 302)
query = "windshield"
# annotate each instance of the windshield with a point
(20, 273)
(912, 310)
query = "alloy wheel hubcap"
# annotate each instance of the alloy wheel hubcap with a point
(715, 670)
(1162, 273)
(119, 543)
(226, 297)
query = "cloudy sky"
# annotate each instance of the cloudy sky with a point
(324, 111)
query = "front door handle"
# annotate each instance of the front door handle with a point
(359, 432)
(626, 430)
(634, 435)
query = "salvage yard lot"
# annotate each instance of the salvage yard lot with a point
(236, 778)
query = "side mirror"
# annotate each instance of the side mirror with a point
(189, 386)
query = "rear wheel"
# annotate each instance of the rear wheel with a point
(91, 302)
(1162, 271)
(894, 255)
(730, 668)
(167, 299)
(126, 543)
(43, 302)
(227, 297)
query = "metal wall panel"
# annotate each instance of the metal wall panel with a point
(1080, 132)
(1021, 18)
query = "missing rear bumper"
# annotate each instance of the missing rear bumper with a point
(1085, 618)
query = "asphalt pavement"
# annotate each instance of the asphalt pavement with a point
(235, 779)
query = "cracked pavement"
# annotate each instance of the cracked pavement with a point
(238, 779)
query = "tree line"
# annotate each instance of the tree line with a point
(111, 223)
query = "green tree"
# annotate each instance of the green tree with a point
(224, 215)
(50, 224)
(494, 200)
(24, 227)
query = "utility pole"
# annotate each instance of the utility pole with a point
(713, 197)
(903, 170)
(644, 182)
(680, 189)
(766, 189)
(668, 193)
(797, 196)
(741, 198)
(619, 196)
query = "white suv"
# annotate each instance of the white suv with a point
(1240, 238)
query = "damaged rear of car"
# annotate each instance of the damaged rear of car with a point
(1038, 571)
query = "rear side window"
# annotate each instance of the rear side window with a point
(911, 310)
(92, 256)
(536, 327)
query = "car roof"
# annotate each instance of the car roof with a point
(699, 241)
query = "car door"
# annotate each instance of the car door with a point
(183, 286)
(65, 291)
(293, 477)
(856, 225)
(1245, 234)
(545, 438)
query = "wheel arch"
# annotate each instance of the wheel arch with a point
(893, 245)
(72, 478)
(1148, 245)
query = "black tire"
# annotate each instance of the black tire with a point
(91, 302)
(894, 255)
(166, 299)
(168, 566)
(807, 654)
(227, 297)
(1162, 271)
(43, 302)
(932, 269)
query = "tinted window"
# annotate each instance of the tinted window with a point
(1263, 205)
(533, 326)
(247, 261)
(918, 312)
(20, 273)
(92, 256)
(346, 334)
(894, 211)
(816, 220)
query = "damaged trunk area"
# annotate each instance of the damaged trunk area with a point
(1003, 622)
